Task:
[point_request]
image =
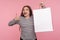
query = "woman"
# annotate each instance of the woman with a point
(26, 24)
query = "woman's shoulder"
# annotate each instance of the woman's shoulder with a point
(32, 16)
(21, 17)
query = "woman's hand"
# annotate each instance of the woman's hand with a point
(42, 5)
(17, 17)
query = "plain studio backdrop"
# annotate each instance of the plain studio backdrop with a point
(8, 10)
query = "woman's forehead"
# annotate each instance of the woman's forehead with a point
(26, 8)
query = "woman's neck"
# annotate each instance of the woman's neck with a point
(27, 17)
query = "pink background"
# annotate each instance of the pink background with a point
(8, 10)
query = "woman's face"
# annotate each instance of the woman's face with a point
(26, 11)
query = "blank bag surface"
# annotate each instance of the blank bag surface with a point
(42, 20)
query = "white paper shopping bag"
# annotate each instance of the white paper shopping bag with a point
(42, 20)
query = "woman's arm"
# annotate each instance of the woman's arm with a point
(12, 22)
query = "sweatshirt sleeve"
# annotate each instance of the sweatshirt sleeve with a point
(12, 22)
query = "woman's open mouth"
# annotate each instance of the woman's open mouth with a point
(25, 13)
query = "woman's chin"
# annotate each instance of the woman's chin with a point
(25, 15)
